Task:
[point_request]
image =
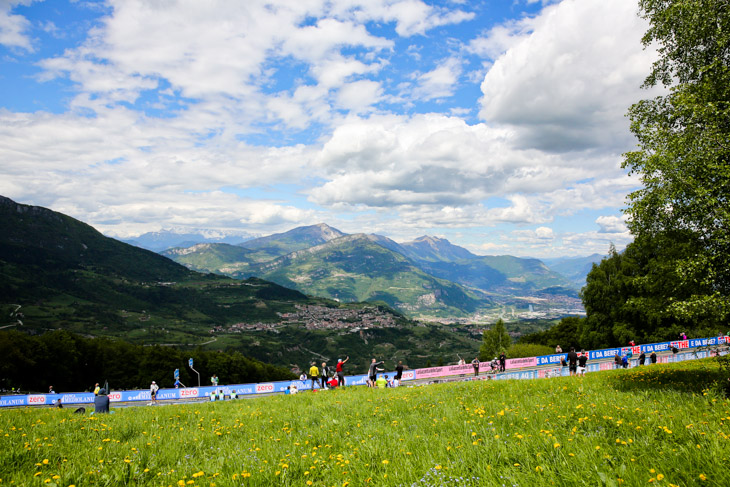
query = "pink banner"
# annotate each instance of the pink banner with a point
(518, 363)
(450, 370)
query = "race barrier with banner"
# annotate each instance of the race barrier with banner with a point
(545, 367)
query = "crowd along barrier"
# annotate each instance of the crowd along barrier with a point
(549, 366)
(81, 398)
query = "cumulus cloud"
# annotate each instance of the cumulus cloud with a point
(549, 144)
(13, 28)
(612, 224)
(441, 82)
(442, 162)
(546, 83)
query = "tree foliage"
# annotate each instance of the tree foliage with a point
(682, 156)
(494, 341)
(567, 334)
(73, 363)
(630, 295)
(519, 350)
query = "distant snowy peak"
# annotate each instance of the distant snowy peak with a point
(186, 237)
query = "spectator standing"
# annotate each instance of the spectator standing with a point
(572, 361)
(340, 372)
(652, 357)
(502, 362)
(96, 389)
(398, 373)
(558, 349)
(214, 380)
(616, 361)
(475, 365)
(324, 375)
(314, 374)
(582, 361)
(372, 371)
(50, 390)
(642, 358)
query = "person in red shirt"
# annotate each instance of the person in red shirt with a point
(332, 383)
(339, 372)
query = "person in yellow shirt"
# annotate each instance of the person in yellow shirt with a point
(96, 389)
(314, 374)
(382, 382)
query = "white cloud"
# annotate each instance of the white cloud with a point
(359, 96)
(612, 224)
(546, 84)
(13, 27)
(441, 162)
(441, 82)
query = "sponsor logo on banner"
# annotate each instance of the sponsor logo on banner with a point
(408, 375)
(681, 344)
(140, 396)
(167, 394)
(115, 396)
(262, 388)
(77, 398)
(36, 399)
(18, 401)
(516, 363)
(188, 393)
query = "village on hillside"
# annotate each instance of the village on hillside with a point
(314, 317)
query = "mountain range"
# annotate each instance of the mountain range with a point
(426, 277)
(59, 273)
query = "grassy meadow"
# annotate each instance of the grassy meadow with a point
(661, 424)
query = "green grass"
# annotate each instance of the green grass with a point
(659, 425)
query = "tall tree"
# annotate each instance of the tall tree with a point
(494, 341)
(684, 144)
(630, 295)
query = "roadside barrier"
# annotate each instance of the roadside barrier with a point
(544, 367)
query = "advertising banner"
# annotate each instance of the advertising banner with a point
(519, 363)
(431, 372)
(551, 359)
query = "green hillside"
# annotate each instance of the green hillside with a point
(662, 425)
(503, 274)
(220, 258)
(354, 268)
(65, 274)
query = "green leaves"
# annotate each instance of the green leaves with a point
(495, 341)
(683, 155)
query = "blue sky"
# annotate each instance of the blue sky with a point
(498, 125)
